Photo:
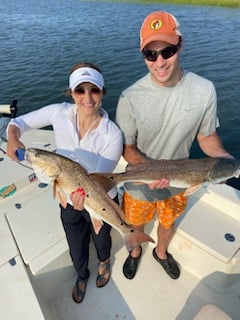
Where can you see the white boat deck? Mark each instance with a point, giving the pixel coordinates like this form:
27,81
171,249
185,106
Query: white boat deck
37,276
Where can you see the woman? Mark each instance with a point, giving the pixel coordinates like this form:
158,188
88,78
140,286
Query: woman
84,133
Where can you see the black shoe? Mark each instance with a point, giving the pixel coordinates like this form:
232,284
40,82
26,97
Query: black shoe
130,265
169,265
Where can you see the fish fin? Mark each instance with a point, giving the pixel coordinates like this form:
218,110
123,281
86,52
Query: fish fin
95,219
97,224
192,189
54,189
62,199
135,238
104,180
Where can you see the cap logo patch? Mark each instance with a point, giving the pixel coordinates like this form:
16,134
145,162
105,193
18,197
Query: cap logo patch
156,24
85,73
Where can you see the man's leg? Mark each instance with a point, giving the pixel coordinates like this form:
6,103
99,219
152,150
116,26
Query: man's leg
162,256
131,264
164,237
168,211
137,214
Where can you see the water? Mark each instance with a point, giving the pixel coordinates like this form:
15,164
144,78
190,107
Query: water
41,40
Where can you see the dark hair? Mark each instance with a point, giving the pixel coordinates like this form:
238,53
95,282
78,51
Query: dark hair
84,65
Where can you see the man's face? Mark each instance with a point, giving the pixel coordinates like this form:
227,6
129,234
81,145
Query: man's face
165,71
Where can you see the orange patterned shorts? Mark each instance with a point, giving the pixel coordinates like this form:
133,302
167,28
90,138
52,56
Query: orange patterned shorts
139,212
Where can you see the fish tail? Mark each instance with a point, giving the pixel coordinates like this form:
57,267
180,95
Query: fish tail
135,238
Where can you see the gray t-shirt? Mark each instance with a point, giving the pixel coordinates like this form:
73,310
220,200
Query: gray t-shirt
164,121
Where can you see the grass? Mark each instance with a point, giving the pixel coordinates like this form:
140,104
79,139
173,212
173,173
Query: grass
219,3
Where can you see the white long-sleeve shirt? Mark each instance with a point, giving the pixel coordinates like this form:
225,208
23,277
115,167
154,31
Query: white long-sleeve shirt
98,151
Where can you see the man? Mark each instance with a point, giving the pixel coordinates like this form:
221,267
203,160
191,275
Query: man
160,116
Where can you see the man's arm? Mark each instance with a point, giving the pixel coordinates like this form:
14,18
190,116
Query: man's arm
212,146
132,155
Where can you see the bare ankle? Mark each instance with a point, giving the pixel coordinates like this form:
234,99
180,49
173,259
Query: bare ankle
161,254
136,252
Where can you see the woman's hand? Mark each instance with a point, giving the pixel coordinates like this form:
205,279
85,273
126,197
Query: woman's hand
12,147
77,197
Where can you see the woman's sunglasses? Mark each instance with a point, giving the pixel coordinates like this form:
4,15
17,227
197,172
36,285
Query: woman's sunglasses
166,53
92,90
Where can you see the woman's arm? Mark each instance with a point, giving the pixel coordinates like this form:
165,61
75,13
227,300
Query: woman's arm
14,142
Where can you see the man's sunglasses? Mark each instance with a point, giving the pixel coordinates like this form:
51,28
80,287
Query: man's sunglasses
166,53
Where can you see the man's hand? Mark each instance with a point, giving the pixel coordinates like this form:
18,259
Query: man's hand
159,184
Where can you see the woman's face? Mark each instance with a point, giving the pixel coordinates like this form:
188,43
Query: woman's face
87,97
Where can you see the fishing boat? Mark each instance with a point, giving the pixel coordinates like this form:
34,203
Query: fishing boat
37,275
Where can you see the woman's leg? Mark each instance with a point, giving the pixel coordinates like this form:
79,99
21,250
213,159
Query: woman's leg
77,229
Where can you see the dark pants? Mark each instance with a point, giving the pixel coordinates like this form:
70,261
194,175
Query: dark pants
78,229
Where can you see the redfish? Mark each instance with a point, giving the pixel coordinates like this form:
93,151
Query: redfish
67,176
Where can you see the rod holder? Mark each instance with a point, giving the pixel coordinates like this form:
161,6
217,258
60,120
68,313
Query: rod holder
6,109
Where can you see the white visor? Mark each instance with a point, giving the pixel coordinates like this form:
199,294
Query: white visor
86,75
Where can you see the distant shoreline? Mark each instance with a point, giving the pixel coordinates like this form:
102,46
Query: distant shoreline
215,3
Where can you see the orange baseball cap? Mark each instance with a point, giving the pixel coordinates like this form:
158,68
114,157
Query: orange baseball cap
161,26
